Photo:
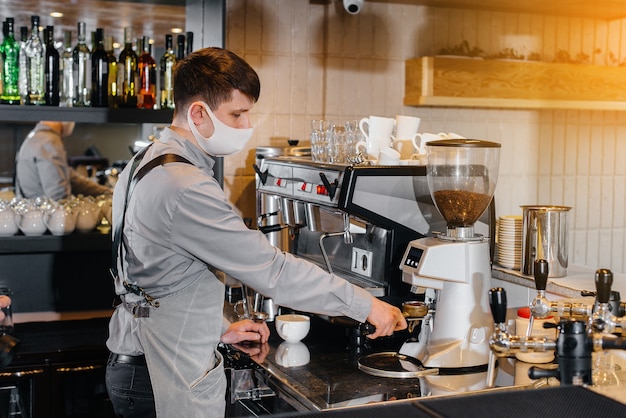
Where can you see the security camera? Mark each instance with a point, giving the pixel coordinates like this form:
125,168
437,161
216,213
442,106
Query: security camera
353,6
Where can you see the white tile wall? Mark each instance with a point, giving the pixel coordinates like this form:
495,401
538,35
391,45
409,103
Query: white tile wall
314,60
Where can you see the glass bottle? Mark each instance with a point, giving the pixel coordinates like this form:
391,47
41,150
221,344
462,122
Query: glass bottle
189,43
99,72
23,66
113,92
51,70
67,71
180,47
4,36
127,72
147,77
35,56
82,69
10,65
165,72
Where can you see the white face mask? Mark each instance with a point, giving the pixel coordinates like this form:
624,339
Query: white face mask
225,139
67,128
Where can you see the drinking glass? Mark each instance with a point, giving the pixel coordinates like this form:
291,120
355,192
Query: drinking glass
321,131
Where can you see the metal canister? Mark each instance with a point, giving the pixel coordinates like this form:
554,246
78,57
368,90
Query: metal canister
545,236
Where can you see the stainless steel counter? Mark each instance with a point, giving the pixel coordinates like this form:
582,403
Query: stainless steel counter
331,379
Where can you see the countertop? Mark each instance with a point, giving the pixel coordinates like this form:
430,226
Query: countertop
578,278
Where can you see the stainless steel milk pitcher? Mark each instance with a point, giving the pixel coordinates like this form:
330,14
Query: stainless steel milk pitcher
545,236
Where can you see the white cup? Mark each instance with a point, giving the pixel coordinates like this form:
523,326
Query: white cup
373,145
388,156
377,127
292,327
420,140
406,127
405,147
292,354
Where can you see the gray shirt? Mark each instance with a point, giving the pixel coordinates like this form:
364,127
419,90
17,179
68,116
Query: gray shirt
179,228
42,169
179,223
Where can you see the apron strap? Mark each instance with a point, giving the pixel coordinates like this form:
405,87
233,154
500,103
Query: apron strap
119,227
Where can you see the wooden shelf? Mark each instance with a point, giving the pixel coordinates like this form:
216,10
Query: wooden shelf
10,113
603,9
464,82
75,242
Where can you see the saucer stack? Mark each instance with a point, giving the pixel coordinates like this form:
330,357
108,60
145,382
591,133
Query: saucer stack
509,240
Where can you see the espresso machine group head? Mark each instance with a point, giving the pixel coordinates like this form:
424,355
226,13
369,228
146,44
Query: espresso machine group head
455,265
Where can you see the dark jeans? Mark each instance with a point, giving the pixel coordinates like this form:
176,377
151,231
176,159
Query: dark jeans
129,389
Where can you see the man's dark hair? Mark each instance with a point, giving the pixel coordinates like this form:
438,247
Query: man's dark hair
211,75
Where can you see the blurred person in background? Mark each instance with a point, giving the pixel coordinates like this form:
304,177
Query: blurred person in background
41,167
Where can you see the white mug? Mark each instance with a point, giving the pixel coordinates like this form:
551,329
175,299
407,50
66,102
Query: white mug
405,147
406,127
420,140
377,127
388,156
292,327
373,145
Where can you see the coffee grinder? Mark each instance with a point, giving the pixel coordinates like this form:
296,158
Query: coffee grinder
453,269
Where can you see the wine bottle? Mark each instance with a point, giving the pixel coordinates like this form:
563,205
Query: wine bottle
4,36
35,57
51,70
166,73
180,47
127,71
146,99
81,57
189,43
67,71
99,72
112,88
10,65
23,66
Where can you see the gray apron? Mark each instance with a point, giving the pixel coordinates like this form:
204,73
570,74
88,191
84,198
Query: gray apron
180,340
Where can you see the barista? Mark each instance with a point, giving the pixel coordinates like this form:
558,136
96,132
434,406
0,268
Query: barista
41,167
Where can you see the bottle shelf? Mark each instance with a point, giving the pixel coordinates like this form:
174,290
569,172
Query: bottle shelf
462,82
13,113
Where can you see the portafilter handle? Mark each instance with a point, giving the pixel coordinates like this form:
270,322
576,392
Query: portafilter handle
541,274
497,303
604,281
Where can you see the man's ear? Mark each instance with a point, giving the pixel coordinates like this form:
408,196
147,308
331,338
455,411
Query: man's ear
197,113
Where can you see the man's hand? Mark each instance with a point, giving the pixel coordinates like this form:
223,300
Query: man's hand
386,318
246,330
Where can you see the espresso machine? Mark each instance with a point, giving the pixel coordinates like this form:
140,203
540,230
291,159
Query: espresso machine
353,220
453,269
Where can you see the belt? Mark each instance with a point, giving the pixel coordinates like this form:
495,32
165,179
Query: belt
122,358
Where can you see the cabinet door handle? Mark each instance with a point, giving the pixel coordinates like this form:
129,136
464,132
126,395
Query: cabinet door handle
78,369
21,373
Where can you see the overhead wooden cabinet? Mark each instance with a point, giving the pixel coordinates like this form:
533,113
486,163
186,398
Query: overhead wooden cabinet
467,82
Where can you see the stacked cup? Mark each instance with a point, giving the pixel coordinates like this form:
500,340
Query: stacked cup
404,139
377,131
509,240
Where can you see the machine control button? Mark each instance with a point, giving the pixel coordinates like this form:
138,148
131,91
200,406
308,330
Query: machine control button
304,187
321,190
280,182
